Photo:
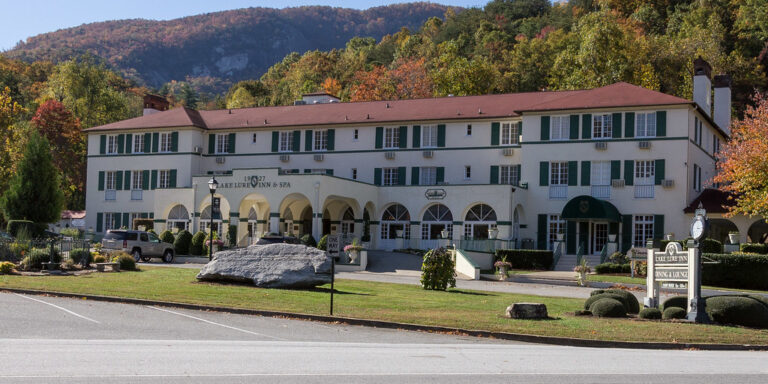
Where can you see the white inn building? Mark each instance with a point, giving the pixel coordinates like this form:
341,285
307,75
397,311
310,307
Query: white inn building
618,160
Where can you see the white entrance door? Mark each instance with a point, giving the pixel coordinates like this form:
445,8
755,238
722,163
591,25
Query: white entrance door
599,237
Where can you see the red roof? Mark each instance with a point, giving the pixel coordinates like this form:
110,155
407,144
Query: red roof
379,112
73,214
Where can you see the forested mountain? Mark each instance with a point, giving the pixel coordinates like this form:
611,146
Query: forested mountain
215,48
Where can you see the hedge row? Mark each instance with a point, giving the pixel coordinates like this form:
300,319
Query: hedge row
735,271
527,258
705,246
754,248
605,268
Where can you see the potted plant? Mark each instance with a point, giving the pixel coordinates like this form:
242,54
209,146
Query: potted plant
444,233
493,233
560,236
353,250
612,238
582,269
217,243
733,237
503,265
399,233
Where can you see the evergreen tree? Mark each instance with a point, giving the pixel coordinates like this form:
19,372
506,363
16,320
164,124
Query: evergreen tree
35,191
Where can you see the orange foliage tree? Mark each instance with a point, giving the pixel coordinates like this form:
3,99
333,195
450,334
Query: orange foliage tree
408,79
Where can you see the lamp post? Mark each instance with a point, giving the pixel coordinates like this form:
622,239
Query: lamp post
212,185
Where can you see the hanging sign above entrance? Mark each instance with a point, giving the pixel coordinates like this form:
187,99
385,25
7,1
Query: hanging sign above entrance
435,194
254,181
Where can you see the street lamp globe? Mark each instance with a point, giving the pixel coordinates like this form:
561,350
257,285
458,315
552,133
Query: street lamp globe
213,184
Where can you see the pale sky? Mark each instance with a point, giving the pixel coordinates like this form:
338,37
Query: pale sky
20,19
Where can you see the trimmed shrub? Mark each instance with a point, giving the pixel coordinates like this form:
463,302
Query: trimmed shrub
438,270
676,302
650,314
736,271
197,244
149,224
78,255
630,301
526,258
710,246
761,249
608,307
232,236
6,267
592,299
737,310
605,268
183,243
618,258
99,259
126,261
308,240
673,313
323,243
167,237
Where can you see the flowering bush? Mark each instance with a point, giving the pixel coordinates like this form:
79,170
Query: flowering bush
354,247
502,264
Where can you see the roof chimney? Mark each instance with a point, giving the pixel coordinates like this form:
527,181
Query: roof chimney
702,85
722,112
154,104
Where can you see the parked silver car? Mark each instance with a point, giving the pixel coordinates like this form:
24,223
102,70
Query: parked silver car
140,244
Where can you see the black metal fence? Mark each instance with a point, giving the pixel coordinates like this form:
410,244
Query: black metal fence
58,250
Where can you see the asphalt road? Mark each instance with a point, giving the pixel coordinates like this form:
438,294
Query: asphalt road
57,340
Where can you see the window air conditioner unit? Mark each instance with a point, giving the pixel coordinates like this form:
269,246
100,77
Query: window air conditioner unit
319,157
198,149
428,154
618,183
667,183
644,144
285,158
508,151
390,155
221,160
601,145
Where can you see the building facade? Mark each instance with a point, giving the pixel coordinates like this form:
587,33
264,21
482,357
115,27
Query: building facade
613,163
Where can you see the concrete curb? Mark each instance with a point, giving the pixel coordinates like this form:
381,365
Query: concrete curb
563,341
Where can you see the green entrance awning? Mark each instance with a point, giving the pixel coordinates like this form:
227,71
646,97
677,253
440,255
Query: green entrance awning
587,208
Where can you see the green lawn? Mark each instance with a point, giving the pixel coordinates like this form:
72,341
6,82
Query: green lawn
388,302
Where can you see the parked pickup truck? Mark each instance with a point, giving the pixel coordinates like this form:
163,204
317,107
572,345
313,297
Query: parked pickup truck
140,244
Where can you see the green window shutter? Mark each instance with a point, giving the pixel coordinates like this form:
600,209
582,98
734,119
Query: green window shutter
211,143
127,185
659,169
118,221
400,175
414,175
144,215
174,141
403,137
440,174
119,180
232,142
379,137
275,141
145,180
586,172
520,130
331,139
615,169
545,128
101,180
541,233
120,143
128,143
155,141
616,126
544,173
629,124
570,237
661,123
586,126
308,140
328,172
494,174
573,169
441,135
307,170
519,173
126,220
173,178
417,136
658,227
377,176
147,142
99,222
154,179
297,141
495,127
629,172
103,144
574,126
626,233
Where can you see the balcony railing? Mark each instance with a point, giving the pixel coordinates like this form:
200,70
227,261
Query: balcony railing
558,191
644,191
601,191
136,194
110,194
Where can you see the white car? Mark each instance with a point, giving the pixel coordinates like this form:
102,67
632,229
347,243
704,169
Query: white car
140,244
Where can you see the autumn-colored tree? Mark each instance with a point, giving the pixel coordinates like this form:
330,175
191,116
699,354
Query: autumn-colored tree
331,86
372,85
743,161
411,79
12,136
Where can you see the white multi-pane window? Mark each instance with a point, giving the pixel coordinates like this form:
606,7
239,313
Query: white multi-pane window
467,172
429,136
391,137
165,142
357,134
600,178
555,225
602,126
645,172
643,229
428,176
286,141
645,124
558,173
510,134
469,129
138,143
320,139
111,180
509,174
133,216
222,143
559,128
390,176
110,220
112,144
137,180
165,178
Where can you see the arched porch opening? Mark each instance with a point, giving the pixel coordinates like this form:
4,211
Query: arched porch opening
436,225
177,219
719,228
479,222
758,232
293,206
395,227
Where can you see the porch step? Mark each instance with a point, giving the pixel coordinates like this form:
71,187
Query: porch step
567,262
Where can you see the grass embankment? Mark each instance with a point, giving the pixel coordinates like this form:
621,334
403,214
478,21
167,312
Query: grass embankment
388,302
618,279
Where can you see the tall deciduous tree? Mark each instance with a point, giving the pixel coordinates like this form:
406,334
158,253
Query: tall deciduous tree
12,136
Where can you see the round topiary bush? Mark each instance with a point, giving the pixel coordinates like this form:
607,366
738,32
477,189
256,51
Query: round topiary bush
197,244
673,313
650,314
78,255
608,307
676,302
183,243
167,237
592,299
126,261
633,306
308,240
323,243
737,310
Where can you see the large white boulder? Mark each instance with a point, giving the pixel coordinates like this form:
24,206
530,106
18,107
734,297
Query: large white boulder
270,266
